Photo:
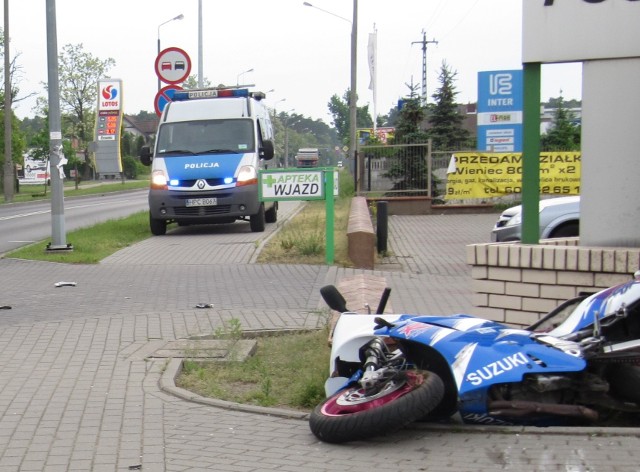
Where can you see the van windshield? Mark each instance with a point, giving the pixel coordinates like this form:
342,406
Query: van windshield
204,137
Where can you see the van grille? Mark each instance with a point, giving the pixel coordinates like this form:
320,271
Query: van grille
192,182
202,211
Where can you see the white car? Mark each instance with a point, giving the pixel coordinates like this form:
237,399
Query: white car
559,218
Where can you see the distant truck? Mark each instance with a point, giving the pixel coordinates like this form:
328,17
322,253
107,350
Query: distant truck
307,157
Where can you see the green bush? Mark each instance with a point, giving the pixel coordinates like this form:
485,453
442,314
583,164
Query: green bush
132,167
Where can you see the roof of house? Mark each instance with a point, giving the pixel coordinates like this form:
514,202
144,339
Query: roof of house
146,126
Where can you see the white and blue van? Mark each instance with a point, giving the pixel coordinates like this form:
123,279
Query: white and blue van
209,147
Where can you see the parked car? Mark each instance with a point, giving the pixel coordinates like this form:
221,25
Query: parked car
559,218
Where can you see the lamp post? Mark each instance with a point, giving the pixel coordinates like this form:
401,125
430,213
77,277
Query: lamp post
242,74
8,183
200,60
179,17
286,138
274,106
352,92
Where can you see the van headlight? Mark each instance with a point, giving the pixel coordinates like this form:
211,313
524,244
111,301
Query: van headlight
247,176
159,180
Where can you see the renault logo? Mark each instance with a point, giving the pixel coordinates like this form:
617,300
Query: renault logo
201,184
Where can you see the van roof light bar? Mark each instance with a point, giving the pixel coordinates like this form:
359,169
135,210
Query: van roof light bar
197,94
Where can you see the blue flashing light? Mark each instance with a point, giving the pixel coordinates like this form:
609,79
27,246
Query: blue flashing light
228,180
182,95
174,182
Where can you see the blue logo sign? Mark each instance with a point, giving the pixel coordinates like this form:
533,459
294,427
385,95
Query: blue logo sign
500,105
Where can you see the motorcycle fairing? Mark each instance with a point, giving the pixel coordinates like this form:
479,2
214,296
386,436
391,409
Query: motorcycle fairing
605,302
487,353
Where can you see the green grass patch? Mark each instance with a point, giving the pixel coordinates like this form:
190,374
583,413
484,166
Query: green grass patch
92,244
302,240
287,370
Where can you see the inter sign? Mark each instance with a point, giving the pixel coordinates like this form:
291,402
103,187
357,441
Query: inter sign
500,105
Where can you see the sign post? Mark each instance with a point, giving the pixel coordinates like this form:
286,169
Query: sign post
108,125
164,96
172,66
290,184
500,103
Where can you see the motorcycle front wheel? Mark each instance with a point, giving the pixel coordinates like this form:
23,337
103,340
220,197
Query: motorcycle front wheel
352,414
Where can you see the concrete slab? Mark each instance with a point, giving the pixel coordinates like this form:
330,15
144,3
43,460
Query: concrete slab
219,350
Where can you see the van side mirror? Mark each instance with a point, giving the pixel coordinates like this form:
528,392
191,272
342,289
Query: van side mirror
267,150
145,155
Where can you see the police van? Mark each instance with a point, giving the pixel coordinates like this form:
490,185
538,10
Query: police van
209,147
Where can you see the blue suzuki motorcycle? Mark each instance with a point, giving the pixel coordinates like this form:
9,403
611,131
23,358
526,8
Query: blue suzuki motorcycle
580,365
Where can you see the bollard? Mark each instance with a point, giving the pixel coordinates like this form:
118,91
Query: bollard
382,226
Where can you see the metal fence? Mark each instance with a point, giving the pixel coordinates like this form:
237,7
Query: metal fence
404,170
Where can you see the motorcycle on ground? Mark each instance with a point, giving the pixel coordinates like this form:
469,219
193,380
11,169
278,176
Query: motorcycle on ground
578,365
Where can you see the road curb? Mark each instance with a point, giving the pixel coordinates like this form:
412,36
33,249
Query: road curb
167,384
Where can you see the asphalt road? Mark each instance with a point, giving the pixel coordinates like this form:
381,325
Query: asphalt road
25,223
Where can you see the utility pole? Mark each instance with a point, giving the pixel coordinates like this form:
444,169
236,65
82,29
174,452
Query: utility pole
8,182
424,43
58,233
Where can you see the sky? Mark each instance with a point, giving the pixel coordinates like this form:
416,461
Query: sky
300,55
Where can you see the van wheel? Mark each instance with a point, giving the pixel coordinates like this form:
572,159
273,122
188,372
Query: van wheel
158,227
258,220
271,215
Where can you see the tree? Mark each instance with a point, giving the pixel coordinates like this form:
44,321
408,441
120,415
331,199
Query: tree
339,109
16,136
79,73
409,168
192,83
446,129
564,134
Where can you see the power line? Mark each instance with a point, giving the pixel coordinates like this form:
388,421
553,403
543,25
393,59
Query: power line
424,43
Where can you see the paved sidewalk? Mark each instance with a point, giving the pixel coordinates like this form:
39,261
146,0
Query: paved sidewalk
80,392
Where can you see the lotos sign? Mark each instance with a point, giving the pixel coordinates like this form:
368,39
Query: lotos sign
579,30
110,95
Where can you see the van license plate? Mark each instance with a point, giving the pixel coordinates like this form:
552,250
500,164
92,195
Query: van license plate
201,202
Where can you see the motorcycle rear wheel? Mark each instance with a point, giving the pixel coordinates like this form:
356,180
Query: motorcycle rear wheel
352,415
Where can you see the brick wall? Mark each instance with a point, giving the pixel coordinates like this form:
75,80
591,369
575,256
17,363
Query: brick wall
517,284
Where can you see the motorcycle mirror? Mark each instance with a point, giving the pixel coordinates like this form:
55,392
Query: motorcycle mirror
382,323
332,297
383,301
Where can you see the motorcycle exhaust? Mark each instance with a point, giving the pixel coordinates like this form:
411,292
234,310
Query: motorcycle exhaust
525,408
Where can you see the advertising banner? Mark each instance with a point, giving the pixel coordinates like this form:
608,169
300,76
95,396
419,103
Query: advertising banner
483,175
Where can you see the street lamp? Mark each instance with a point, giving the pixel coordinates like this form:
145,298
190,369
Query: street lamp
274,106
307,4
286,137
179,17
241,74
353,92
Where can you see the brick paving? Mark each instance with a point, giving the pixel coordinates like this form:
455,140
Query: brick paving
80,392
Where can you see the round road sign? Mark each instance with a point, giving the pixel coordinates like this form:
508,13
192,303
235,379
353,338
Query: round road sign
164,96
173,65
